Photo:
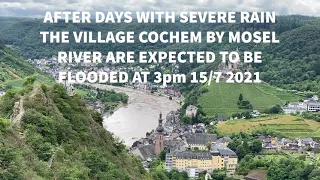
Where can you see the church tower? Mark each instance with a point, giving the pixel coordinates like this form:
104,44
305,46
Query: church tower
159,146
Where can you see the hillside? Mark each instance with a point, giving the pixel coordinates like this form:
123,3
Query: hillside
12,66
54,136
222,98
46,134
8,21
280,125
294,62
14,70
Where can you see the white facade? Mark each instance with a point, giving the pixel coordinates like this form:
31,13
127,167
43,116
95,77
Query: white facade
298,105
191,111
302,107
295,107
314,107
168,162
192,172
198,146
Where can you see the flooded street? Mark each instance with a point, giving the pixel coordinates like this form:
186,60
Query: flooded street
132,121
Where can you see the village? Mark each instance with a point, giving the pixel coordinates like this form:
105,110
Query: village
191,148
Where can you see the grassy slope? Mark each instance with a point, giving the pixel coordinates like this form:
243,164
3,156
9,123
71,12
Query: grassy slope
222,98
286,125
85,149
14,70
58,126
12,66
18,83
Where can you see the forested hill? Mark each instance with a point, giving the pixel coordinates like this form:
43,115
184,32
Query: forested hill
47,134
292,64
51,135
12,66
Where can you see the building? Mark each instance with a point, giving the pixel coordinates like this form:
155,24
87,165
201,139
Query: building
308,105
290,147
172,91
225,140
193,163
200,141
295,107
313,106
175,145
191,111
144,152
159,145
285,141
224,157
314,98
304,142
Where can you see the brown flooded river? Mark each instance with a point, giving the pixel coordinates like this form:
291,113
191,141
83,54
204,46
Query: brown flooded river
132,121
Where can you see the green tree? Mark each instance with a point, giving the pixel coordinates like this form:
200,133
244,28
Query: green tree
186,119
4,124
256,146
275,110
162,155
240,98
219,174
30,80
315,174
241,151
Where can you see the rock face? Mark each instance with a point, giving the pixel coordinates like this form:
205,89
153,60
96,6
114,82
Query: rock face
38,95
18,111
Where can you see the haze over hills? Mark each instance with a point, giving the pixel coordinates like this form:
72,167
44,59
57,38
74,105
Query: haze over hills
291,64
53,135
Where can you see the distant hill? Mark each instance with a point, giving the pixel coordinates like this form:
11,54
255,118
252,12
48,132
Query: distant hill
222,98
8,21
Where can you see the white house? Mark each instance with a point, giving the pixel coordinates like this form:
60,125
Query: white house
313,106
191,111
295,107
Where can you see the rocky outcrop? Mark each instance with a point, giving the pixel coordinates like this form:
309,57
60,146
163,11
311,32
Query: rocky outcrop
18,111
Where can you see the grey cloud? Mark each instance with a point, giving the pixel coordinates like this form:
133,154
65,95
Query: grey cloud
37,8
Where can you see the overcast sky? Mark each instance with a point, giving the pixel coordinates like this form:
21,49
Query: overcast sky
37,8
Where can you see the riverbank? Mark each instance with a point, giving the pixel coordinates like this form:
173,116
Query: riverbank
131,89
139,116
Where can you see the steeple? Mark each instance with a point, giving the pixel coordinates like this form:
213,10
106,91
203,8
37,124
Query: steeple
159,145
160,127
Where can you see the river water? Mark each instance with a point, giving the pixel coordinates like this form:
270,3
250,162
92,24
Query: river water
132,121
